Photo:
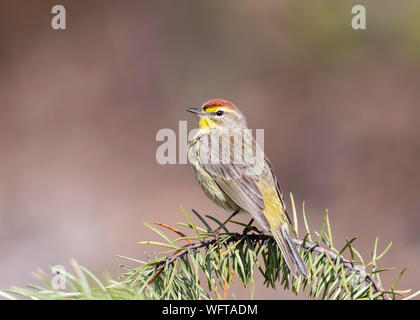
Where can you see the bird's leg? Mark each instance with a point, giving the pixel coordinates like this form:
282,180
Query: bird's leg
247,228
217,230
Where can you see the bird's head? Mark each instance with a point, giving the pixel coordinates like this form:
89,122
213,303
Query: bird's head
219,114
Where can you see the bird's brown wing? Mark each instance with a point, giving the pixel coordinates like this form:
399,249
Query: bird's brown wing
240,180
279,192
237,177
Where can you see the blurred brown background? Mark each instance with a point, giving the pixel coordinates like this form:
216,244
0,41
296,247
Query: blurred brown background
80,109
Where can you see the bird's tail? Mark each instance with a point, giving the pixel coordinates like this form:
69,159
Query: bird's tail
289,251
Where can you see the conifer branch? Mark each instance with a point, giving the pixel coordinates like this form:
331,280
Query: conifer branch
183,271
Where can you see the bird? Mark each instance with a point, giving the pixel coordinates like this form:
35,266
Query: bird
233,177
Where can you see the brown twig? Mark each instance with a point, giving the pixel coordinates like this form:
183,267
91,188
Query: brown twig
224,290
317,249
159,268
172,229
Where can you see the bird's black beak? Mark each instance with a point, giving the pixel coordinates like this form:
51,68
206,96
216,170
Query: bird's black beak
194,110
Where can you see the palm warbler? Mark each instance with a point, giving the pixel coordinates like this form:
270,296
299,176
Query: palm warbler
236,181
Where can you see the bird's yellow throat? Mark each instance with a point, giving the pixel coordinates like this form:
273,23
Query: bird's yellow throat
206,123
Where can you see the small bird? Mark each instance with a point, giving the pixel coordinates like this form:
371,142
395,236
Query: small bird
237,182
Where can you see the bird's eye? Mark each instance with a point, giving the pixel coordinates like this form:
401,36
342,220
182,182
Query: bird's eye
219,113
